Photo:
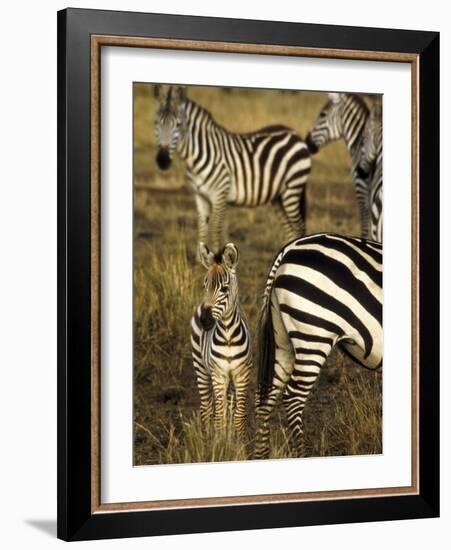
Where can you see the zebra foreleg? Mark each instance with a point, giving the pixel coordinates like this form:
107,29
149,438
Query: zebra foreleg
203,212
206,395
361,191
220,385
240,384
217,222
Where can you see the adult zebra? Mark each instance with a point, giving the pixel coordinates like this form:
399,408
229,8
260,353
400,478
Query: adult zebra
323,290
345,116
270,165
370,168
220,342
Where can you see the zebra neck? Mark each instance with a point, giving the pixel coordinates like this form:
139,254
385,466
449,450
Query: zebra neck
354,141
200,125
353,126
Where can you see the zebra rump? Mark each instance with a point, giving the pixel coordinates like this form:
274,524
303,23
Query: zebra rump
267,344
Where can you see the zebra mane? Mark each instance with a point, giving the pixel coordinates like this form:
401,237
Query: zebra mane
359,99
191,105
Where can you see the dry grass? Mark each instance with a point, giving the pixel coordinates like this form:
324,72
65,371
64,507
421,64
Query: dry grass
343,415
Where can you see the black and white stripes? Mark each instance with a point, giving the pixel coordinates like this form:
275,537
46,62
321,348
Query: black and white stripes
322,290
370,168
345,116
220,342
270,165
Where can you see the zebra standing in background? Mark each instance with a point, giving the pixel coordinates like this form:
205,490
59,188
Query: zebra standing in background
270,165
322,290
221,344
370,168
345,116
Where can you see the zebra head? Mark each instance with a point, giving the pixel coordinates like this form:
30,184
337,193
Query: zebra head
328,125
170,123
221,287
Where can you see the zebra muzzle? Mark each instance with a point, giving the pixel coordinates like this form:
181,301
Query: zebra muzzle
163,159
206,318
312,147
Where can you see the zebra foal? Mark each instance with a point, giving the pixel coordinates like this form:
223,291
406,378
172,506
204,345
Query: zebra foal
220,342
224,168
322,291
345,116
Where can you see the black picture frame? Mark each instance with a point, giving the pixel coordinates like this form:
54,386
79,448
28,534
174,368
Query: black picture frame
76,521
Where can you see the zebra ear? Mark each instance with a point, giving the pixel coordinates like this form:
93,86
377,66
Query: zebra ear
334,97
206,257
179,94
230,256
157,91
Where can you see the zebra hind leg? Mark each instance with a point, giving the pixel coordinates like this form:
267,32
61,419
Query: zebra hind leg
266,403
292,202
290,231
309,358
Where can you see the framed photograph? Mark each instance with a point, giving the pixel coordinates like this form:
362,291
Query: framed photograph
248,274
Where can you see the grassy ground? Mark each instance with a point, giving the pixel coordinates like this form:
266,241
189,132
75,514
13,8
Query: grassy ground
344,413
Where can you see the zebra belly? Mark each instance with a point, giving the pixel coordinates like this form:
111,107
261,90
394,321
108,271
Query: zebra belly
226,359
247,194
373,360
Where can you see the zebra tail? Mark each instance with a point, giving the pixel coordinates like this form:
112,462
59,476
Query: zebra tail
267,349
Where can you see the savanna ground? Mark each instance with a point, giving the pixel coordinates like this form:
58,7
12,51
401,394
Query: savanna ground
344,412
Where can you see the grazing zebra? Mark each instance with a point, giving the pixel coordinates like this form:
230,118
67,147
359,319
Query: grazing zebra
270,165
322,290
375,202
220,340
370,168
345,116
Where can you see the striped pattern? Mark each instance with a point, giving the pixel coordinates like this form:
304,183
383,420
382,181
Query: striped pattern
345,116
322,290
370,168
376,202
270,165
220,342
